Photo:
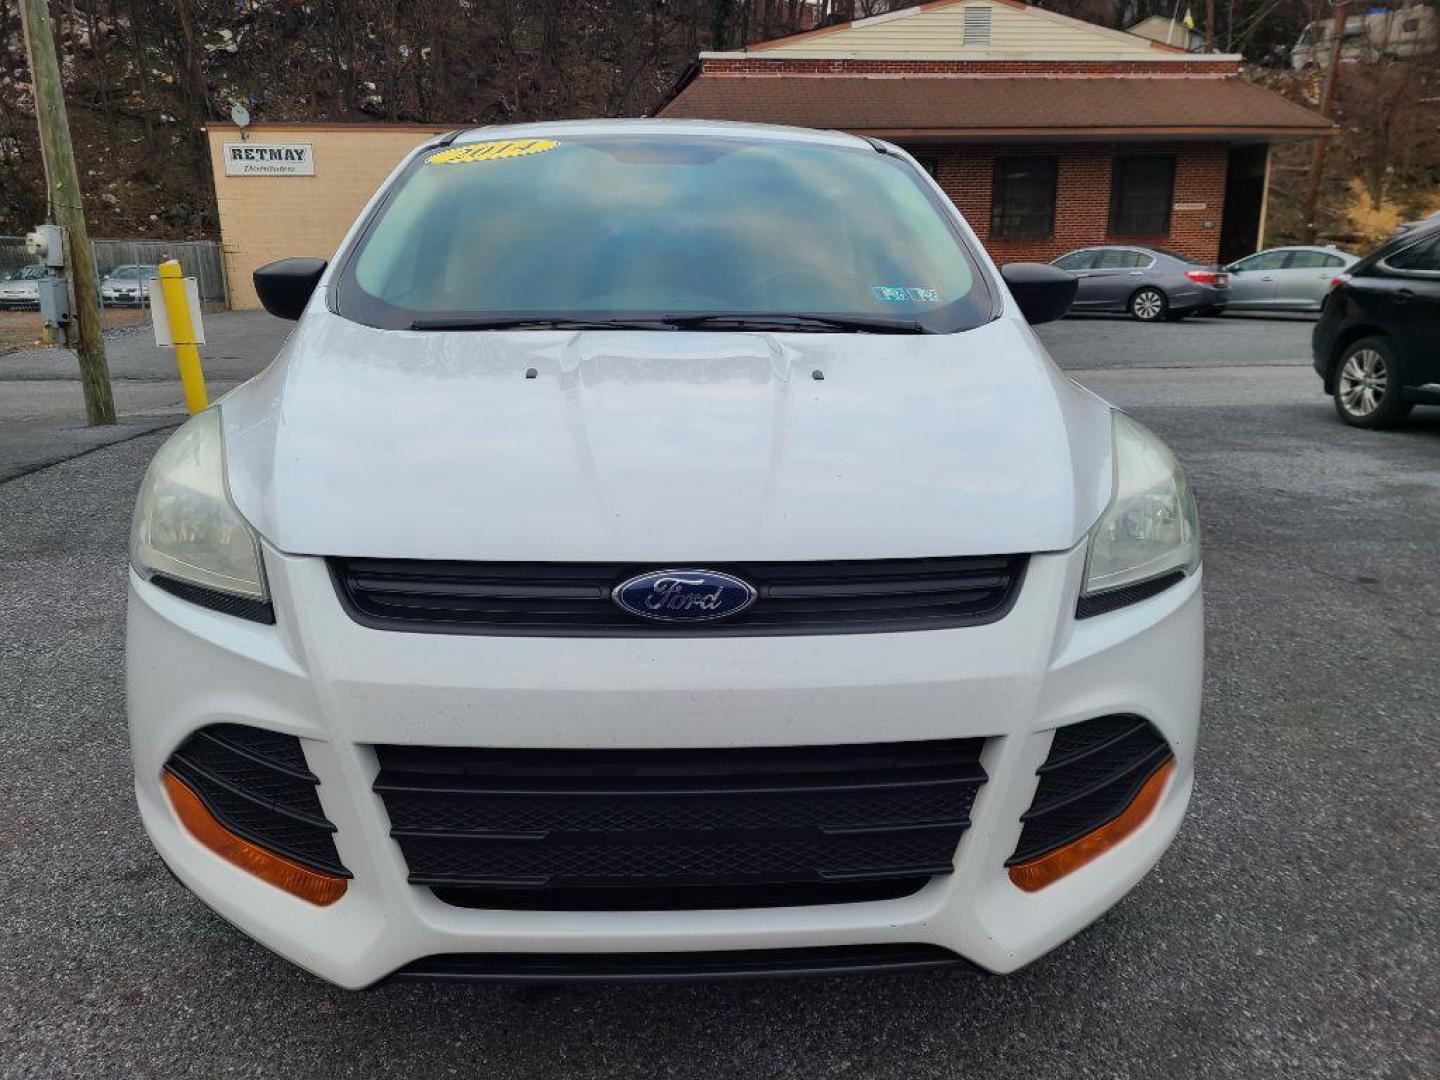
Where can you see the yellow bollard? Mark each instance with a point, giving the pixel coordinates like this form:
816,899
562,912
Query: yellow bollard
182,332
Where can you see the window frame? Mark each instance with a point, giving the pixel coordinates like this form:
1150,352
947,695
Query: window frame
1118,192
998,193
1238,266
1405,271
1091,251
1326,261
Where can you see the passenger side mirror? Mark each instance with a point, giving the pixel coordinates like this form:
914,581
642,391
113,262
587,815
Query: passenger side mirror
1044,292
285,286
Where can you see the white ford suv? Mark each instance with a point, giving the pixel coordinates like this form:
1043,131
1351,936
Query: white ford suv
662,550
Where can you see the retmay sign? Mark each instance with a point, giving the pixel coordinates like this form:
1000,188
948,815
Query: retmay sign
269,159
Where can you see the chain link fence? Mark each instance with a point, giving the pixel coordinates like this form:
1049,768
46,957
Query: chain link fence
13,257
199,259
130,261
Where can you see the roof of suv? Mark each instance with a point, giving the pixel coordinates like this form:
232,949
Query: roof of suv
1424,231
721,128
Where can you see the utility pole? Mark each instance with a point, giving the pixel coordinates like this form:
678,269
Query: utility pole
62,194
1209,26
1327,98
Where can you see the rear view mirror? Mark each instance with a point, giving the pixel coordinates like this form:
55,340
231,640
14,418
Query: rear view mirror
285,286
1044,292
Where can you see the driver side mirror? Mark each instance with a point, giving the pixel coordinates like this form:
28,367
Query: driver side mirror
1044,292
285,286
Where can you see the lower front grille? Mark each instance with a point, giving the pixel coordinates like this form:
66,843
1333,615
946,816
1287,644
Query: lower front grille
654,829
1093,772
256,784
636,967
677,897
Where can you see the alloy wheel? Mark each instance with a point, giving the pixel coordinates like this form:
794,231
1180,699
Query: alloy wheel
1147,305
1362,382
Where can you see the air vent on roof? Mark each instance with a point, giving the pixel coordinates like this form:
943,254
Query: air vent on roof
977,25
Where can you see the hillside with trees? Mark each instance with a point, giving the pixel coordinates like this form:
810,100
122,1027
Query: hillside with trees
143,76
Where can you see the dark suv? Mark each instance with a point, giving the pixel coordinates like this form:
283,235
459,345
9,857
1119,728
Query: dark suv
1377,344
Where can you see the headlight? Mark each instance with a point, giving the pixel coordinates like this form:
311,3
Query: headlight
1151,528
185,528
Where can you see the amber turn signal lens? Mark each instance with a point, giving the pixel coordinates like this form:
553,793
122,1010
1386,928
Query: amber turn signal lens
1037,873
301,881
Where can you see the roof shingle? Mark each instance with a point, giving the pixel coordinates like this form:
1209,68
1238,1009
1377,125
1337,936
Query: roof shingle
992,106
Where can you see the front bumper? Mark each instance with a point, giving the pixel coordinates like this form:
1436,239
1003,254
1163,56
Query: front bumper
342,688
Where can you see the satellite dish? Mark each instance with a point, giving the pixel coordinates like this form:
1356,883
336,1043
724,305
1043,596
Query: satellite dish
239,114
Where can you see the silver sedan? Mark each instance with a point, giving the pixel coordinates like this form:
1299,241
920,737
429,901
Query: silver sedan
1286,278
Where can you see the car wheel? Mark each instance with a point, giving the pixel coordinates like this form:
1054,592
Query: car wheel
1367,385
1148,305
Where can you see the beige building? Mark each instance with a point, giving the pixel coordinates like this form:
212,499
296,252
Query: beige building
294,189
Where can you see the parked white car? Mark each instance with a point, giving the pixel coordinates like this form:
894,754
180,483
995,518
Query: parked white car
1286,278
128,285
21,290
662,549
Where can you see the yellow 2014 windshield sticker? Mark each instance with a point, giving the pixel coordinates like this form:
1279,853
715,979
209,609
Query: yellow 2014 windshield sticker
491,151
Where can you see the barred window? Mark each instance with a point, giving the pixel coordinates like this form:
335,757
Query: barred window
1024,196
1142,187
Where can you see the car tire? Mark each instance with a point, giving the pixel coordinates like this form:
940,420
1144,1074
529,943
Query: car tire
1368,385
1148,305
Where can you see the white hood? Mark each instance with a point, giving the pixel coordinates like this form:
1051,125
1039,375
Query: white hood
663,446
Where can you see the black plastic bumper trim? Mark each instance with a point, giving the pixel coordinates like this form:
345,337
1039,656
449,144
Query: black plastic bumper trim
1113,599
242,607
679,897
1060,839
677,966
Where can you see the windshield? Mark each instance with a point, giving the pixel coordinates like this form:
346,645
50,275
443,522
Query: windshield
133,272
606,229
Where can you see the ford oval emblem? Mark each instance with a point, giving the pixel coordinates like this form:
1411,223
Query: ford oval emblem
684,595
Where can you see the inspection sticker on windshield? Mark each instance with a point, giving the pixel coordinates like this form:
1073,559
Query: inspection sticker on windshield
900,294
498,150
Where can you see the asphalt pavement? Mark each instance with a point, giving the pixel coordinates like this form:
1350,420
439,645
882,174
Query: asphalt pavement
1293,930
42,409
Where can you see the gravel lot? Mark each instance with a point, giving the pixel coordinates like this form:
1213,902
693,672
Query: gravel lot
1293,930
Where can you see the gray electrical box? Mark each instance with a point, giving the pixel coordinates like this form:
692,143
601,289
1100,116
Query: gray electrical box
48,242
54,301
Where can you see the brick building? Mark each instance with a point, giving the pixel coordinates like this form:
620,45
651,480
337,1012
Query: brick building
1047,132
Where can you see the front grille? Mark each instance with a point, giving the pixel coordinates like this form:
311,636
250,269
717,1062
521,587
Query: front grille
573,599
1092,773
257,785
652,829
671,966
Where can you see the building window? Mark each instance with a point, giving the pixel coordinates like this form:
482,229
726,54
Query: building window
1142,187
1024,196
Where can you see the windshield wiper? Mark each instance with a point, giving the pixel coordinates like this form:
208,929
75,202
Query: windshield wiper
860,324
803,322
534,322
